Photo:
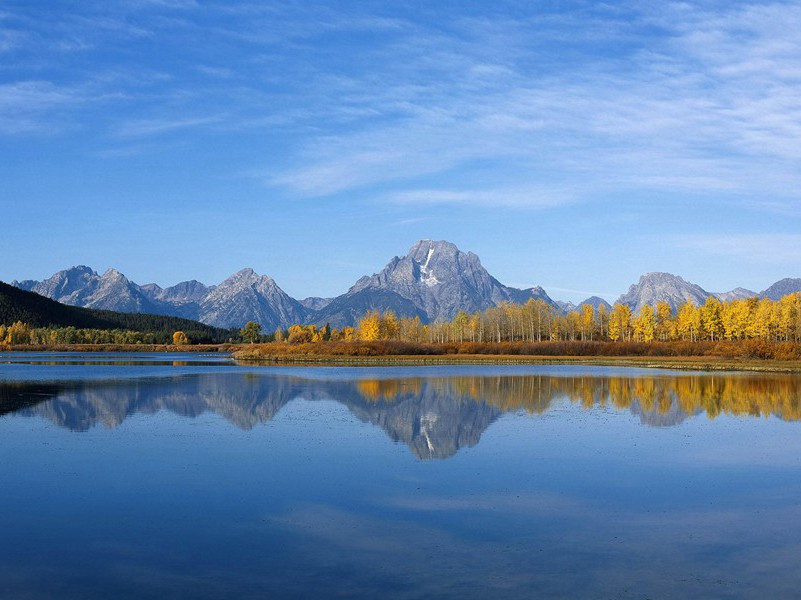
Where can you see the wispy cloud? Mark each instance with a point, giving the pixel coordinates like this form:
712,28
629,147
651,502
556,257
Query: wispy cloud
538,109
23,104
410,221
516,198
147,127
711,106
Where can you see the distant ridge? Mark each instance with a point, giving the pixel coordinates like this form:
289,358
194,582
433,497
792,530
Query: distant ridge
433,281
782,288
38,311
656,287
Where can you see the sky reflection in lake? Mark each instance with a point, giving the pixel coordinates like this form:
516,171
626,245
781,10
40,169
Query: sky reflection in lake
207,481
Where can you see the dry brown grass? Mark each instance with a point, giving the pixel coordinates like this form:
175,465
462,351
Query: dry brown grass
746,349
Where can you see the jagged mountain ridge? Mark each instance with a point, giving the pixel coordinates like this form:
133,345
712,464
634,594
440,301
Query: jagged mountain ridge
662,287
782,288
39,311
82,286
656,287
247,296
433,281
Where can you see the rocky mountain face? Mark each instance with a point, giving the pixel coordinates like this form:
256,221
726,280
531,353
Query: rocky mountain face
247,296
565,307
346,310
781,288
81,286
316,303
181,293
595,302
735,294
435,280
656,287
243,297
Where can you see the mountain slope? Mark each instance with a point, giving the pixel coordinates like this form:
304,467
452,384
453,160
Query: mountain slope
180,293
38,311
735,294
435,278
242,297
595,302
781,288
656,287
315,302
346,310
247,296
82,286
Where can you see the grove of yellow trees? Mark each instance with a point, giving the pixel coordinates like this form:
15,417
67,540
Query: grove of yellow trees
536,321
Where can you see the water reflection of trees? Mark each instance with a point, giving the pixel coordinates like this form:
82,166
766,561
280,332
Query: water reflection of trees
731,394
433,416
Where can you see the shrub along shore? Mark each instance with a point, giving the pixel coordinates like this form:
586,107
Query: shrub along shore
721,355
751,355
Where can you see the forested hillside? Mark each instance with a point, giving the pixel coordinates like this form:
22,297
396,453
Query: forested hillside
37,311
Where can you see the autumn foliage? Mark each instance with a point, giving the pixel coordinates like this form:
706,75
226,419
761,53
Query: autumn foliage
537,328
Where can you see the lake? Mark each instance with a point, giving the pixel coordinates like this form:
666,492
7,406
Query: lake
186,476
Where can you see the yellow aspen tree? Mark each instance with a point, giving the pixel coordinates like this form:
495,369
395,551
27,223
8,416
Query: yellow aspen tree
687,322
763,324
664,321
587,320
370,326
390,328
474,326
620,323
602,321
645,324
460,324
711,322
785,317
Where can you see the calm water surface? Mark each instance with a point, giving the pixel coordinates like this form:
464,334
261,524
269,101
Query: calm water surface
185,476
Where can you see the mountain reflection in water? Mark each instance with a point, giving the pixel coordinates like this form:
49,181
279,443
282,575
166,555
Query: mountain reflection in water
433,416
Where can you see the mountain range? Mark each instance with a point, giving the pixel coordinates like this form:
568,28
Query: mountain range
433,281
39,311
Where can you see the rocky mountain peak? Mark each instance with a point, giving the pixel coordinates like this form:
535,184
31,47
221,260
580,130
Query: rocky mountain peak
657,286
423,249
595,302
242,275
112,274
435,280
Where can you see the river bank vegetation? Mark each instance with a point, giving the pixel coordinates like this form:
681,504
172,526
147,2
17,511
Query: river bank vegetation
22,335
739,329
536,321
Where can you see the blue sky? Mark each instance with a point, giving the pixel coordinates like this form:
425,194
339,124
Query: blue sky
572,145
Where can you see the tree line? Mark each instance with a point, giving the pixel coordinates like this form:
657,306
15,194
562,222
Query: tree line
537,321
22,334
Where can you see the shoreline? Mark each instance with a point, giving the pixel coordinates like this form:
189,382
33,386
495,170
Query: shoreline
244,356
91,348
677,363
